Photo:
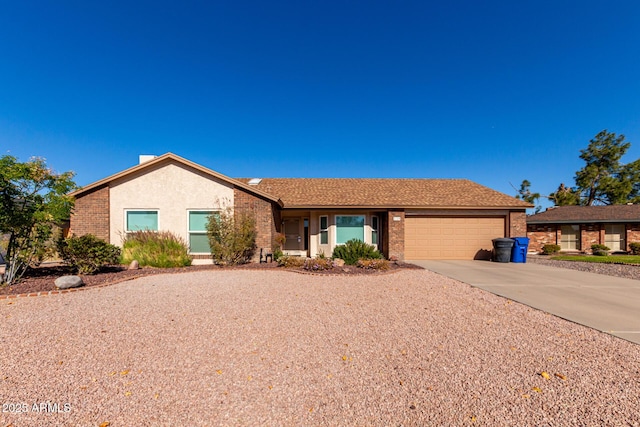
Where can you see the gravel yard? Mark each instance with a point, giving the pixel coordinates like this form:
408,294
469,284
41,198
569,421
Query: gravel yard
620,270
256,347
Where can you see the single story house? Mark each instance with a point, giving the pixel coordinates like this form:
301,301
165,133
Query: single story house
576,228
404,218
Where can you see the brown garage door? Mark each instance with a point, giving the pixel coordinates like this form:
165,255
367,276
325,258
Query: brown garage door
450,238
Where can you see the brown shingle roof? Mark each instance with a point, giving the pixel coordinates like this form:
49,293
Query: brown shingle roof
384,192
583,214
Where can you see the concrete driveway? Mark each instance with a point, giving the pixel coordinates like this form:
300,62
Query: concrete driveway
606,303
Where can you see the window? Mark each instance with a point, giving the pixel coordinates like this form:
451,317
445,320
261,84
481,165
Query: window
614,237
198,239
349,227
324,230
570,237
374,230
140,220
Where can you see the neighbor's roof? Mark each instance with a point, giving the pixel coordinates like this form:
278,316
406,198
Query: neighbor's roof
385,192
585,214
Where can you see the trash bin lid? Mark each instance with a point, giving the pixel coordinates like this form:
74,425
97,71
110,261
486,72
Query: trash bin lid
502,242
521,240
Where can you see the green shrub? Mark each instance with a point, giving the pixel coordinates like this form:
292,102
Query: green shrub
550,249
87,254
277,254
232,237
318,264
599,250
373,264
635,248
355,249
287,261
161,249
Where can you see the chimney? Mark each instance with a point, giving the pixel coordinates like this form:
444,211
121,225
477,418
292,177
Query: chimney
145,158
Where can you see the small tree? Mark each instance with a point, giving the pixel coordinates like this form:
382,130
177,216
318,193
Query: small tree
33,199
232,237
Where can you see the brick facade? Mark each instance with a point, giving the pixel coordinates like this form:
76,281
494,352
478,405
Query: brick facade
594,233
395,238
590,234
540,235
267,214
517,224
91,214
633,234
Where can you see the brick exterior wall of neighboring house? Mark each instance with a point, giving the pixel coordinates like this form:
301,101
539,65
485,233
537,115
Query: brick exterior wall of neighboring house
395,238
267,216
517,224
633,234
540,235
590,234
91,214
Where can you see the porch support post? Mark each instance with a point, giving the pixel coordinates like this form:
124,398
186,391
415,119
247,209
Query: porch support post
395,221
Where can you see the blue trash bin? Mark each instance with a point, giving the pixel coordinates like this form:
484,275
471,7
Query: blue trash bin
519,250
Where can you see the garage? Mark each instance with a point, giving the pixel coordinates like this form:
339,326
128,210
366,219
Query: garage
435,237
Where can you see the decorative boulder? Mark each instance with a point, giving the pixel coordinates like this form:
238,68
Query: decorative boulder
134,265
338,262
66,282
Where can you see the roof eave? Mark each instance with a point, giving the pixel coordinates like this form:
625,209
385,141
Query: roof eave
425,207
582,221
171,156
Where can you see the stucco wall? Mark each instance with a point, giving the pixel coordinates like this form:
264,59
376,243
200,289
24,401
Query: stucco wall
172,189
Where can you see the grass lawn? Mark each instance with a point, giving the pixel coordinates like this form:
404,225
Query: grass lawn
610,259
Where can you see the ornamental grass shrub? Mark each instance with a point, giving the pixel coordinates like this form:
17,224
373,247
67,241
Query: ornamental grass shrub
232,237
373,264
161,249
287,261
318,264
87,254
354,250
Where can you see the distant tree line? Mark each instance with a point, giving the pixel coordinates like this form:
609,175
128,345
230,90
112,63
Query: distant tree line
603,180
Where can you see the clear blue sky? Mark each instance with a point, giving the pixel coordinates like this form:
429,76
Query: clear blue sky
492,91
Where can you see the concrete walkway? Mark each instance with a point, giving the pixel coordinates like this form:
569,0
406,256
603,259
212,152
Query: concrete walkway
606,303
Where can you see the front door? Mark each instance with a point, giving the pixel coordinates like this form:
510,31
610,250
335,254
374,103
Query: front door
292,234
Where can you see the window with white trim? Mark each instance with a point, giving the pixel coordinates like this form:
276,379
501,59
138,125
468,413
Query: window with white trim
374,230
141,220
349,227
570,237
324,230
198,239
614,237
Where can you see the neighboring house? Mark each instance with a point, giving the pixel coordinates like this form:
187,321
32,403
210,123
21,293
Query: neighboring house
576,228
404,218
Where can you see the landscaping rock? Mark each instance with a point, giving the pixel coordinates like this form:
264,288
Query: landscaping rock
66,282
338,262
134,265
